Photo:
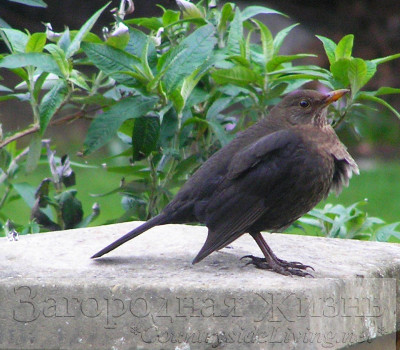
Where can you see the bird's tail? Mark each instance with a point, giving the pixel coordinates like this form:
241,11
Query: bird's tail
160,219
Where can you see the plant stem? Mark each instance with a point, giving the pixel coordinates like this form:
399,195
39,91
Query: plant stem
32,100
19,135
153,190
5,196
342,116
69,118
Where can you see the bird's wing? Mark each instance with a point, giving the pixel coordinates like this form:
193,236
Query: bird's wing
242,198
252,154
230,227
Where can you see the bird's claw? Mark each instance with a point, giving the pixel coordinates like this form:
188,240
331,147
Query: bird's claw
288,268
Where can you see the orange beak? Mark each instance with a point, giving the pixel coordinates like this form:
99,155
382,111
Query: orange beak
335,95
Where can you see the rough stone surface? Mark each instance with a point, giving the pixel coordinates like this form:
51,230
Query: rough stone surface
148,295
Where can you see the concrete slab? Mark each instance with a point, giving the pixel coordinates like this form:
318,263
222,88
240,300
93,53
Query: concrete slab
147,295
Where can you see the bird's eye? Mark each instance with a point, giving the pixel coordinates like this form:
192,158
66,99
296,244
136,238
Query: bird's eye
304,103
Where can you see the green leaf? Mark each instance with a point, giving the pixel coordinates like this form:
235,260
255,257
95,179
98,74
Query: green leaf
267,41
88,38
77,78
39,82
21,97
226,14
65,40
371,70
277,90
34,3
71,208
149,52
280,37
145,135
35,148
196,21
4,89
237,75
357,72
8,97
278,60
98,99
105,126
383,233
40,60
187,57
384,90
329,47
309,69
139,43
195,120
191,81
170,17
371,97
26,191
136,42
235,36
152,23
223,137
169,127
36,42
197,96
386,59
111,61
252,11
340,70
344,47
20,72
59,56
177,100
16,39
218,106
51,102
76,41
295,81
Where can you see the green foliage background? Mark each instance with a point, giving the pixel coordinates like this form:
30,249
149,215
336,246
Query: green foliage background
172,89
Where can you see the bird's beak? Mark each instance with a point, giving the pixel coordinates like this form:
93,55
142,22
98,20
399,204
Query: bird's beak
334,95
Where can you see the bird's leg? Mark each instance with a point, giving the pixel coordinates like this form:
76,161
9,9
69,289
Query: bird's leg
272,262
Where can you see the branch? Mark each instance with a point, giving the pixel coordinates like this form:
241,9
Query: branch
36,128
19,135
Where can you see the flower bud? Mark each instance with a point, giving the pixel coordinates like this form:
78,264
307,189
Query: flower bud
189,10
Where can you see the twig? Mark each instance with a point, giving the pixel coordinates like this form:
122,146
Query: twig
340,120
19,135
36,128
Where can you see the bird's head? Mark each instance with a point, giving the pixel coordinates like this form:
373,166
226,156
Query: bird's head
307,106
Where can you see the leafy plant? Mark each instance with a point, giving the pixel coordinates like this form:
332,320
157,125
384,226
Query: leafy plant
337,221
173,88
60,211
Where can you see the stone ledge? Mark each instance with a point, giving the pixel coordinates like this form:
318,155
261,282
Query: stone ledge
147,295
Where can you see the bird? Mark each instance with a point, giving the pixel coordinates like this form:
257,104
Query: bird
267,177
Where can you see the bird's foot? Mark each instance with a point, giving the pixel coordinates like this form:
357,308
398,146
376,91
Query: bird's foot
287,268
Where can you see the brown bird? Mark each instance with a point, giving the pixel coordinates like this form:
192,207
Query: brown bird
266,178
